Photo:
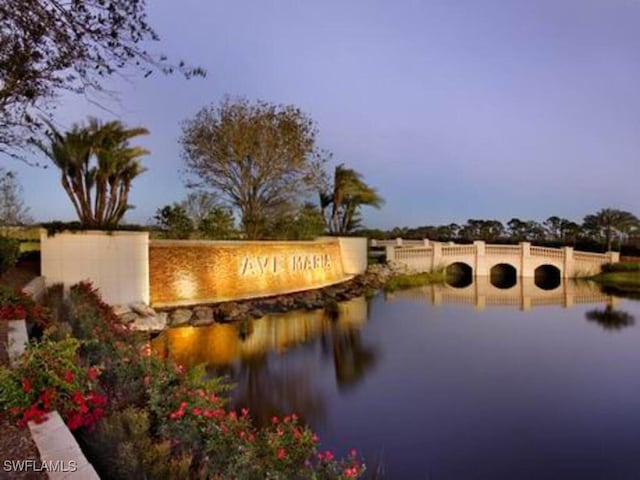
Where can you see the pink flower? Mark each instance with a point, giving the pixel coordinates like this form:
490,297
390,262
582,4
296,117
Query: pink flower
68,376
351,472
281,453
274,420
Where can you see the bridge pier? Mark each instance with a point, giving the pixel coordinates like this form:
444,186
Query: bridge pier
481,268
526,266
569,265
436,259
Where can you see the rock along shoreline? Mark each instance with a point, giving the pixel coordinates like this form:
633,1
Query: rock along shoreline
141,317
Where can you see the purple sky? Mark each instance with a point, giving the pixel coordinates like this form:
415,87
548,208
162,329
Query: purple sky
452,109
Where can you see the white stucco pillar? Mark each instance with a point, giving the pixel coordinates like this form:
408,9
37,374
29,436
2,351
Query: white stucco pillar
391,255
117,263
613,257
526,267
481,259
569,265
436,260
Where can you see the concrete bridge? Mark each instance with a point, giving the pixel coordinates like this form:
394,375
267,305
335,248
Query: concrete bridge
479,259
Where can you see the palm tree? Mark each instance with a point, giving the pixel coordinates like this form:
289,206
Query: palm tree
610,222
349,193
96,157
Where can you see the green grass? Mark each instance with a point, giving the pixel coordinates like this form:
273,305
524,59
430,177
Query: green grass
621,267
619,279
416,280
623,275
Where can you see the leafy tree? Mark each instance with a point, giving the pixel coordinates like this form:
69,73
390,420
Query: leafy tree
517,229
49,46
174,221
609,222
97,157
556,228
198,205
487,230
12,208
305,223
217,224
261,158
348,193
198,214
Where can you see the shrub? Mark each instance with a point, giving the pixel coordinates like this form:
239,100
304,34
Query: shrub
123,445
48,377
161,422
9,253
16,305
226,444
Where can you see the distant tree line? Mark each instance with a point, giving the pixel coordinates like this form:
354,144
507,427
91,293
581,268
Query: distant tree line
607,229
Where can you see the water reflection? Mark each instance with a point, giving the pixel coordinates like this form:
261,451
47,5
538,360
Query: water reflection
611,319
249,353
459,392
525,294
351,358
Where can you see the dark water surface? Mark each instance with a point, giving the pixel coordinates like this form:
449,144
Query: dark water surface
444,383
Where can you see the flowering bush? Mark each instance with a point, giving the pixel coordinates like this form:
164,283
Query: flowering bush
160,421
48,377
193,414
16,305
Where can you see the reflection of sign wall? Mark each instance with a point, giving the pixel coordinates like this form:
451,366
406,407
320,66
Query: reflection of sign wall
190,272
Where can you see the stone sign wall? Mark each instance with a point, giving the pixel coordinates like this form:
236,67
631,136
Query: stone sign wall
192,272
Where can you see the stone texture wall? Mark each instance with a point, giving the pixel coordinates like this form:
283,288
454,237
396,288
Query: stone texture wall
192,272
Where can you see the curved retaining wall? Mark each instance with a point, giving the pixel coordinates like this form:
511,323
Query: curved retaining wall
191,272
126,267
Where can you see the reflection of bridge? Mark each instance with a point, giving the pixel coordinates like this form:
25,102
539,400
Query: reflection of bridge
524,259
524,294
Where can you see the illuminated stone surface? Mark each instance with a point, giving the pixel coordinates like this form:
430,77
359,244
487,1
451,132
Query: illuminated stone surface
192,272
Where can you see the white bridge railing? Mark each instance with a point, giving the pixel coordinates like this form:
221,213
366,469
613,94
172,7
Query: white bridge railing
426,255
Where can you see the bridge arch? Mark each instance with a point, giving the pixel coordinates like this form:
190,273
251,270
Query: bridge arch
547,277
503,275
459,274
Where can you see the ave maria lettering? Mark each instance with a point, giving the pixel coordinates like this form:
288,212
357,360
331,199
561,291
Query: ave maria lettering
252,265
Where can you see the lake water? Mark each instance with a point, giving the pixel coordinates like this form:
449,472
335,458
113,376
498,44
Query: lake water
445,383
